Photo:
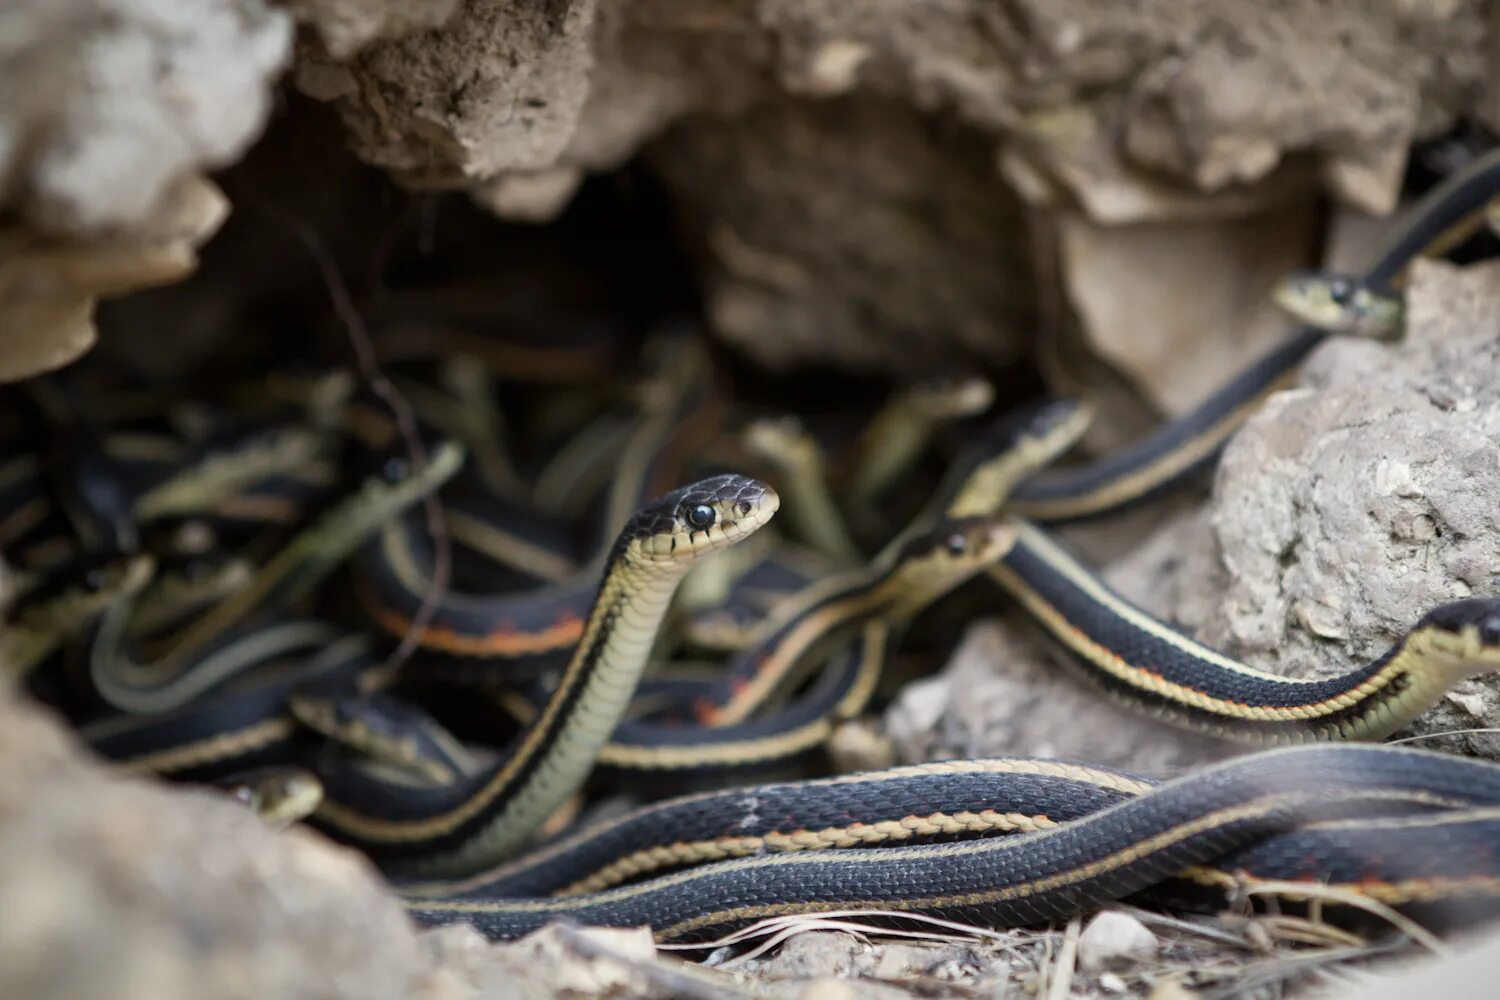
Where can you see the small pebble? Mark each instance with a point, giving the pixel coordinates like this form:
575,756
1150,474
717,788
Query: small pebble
1111,983
1113,939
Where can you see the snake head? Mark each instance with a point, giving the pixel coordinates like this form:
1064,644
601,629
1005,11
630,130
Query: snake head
1055,423
694,520
951,397
1339,303
1467,631
783,441
1011,449
933,563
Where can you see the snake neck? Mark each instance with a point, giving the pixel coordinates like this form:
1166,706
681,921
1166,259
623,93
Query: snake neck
1415,674
553,757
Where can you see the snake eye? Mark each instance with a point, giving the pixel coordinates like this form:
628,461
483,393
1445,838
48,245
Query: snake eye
1489,630
957,544
1341,291
394,470
95,579
701,516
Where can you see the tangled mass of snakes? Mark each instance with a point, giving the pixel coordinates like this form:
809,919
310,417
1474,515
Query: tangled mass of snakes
436,609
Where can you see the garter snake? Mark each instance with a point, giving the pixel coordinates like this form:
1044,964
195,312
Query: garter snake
1045,872
1049,873
246,724
735,732
788,445
1191,443
280,796
1151,667
220,642
545,622
895,437
1339,304
892,589
467,825
45,620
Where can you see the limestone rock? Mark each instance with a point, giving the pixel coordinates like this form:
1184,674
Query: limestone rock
1174,305
122,889
1349,507
50,285
1467,971
822,963
806,259
1165,112
498,87
173,893
1248,91
108,111
104,104
530,197
346,26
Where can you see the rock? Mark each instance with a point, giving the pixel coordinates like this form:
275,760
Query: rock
109,110
50,285
1341,513
1074,157
1349,507
176,893
499,86
539,196
822,963
105,104
1458,973
814,955
834,159
1229,109
1174,305
915,713
859,745
801,254
1114,939
346,26
1109,982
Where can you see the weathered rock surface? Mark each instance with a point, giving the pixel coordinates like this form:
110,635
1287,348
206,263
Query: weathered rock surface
122,889
49,286
104,104
899,266
109,110
345,26
1127,283
1172,111
837,161
1005,691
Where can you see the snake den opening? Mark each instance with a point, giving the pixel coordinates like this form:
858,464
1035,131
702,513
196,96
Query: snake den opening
831,536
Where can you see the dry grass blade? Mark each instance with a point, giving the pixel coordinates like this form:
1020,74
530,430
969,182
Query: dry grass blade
406,425
778,929
1344,897
1060,974
1246,978
1152,918
1298,930
1444,732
